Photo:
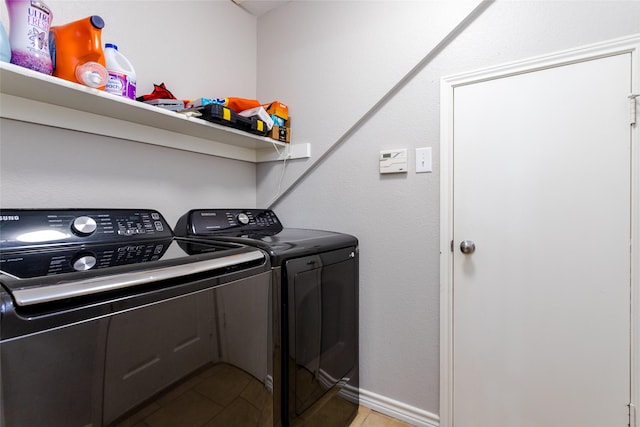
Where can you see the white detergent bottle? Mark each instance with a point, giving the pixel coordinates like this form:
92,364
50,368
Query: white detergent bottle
122,77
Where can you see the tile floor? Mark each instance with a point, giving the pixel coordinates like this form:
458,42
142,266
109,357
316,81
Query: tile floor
220,395
224,396
369,418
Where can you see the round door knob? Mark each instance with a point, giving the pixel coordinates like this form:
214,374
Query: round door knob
84,225
467,247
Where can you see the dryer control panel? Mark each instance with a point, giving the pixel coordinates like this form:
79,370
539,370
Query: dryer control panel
208,222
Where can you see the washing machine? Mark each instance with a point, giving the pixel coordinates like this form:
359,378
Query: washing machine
315,310
108,319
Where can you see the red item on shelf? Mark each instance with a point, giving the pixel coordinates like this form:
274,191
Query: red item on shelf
159,92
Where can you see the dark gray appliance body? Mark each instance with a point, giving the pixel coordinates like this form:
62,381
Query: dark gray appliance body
315,278
105,312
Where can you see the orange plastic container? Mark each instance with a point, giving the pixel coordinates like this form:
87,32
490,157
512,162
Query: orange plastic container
75,44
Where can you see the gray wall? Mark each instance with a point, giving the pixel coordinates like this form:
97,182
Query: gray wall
45,167
395,217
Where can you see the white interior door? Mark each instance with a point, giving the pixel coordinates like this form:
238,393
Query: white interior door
540,312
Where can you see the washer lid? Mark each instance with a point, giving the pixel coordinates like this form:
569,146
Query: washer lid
293,242
54,274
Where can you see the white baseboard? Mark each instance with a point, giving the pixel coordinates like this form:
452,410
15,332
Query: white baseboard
399,410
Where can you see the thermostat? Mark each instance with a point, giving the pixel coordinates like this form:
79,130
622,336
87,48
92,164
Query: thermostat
393,161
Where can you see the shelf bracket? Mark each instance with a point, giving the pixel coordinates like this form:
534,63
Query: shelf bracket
290,151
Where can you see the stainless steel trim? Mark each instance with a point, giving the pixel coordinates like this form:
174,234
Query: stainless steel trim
38,295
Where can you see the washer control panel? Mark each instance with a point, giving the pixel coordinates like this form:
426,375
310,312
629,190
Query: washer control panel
206,222
67,259
24,228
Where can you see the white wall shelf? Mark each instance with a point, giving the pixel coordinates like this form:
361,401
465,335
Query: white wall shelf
33,97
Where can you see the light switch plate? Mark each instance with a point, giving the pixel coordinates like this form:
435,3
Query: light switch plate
423,160
393,161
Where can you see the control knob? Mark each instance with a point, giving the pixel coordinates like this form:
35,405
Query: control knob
243,218
84,262
84,226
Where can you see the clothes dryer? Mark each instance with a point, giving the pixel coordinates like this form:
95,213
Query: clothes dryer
315,322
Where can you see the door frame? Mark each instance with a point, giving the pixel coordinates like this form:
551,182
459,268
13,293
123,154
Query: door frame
630,44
